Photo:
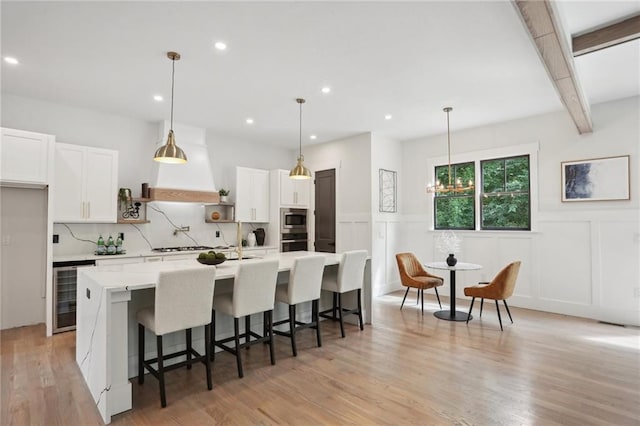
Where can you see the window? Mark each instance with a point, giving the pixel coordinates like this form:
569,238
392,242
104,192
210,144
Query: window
455,210
505,200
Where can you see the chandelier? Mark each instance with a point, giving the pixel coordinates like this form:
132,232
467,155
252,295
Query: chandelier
451,187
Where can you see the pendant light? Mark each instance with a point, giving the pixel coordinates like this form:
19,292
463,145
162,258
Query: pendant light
170,152
439,187
300,171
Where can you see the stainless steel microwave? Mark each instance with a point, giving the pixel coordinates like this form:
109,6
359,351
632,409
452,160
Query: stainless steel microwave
293,220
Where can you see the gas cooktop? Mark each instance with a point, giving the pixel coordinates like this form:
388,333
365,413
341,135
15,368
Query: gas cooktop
183,248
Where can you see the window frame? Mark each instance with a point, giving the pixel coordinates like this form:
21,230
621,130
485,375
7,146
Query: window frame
454,167
482,194
528,148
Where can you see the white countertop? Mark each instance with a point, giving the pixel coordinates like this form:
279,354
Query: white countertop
150,253
134,276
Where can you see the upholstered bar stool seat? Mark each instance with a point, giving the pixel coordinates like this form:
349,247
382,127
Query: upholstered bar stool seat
350,277
254,288
183,300
305,280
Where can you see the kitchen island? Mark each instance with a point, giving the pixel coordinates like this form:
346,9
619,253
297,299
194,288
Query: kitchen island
108,298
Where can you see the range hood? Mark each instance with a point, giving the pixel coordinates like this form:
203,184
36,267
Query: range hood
191,182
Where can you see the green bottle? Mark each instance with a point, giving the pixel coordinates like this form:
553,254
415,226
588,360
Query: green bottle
111,247
101,248
119,245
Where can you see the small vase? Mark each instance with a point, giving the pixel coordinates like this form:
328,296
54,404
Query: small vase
451,260
224,198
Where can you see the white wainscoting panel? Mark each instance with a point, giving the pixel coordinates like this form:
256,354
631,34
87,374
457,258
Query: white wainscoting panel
619,277
564,258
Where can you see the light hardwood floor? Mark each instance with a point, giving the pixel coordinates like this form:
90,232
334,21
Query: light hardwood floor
407,368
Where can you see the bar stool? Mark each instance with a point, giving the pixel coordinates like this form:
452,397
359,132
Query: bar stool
350,277
254,290
305,280
183,300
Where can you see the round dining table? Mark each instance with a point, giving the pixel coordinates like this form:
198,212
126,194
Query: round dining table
452,314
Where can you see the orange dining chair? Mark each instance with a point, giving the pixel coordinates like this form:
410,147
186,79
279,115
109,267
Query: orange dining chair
413,275
500,288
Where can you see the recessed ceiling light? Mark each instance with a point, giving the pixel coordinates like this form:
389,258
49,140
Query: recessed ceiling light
249,120
220,45
326,89
10,60
388,117
158,98
313,137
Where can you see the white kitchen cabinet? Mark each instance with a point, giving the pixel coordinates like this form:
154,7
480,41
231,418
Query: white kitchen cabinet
293,192
85,184
25,158
252,195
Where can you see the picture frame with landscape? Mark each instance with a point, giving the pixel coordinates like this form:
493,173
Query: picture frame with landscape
596,179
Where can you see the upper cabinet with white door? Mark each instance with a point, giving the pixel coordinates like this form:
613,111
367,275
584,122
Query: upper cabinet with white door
252,195
85,184
25,158
293,192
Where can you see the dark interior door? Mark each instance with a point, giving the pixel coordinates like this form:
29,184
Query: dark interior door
325,221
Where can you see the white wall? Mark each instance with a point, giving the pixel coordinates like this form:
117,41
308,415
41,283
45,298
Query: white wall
385,154
351,157
582,258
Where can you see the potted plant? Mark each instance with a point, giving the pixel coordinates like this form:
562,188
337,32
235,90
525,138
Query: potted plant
224,195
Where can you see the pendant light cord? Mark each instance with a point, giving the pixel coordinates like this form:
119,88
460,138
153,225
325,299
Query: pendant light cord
300,139
173,73
449,146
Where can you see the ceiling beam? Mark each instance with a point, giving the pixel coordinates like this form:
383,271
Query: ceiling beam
553,49
618,33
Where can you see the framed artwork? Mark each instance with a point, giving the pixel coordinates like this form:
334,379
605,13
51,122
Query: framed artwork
596,179
387,191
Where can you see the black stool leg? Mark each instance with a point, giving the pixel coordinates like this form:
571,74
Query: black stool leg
292,328
340,313
163,395
421,291
405,296
272,352
236,328
188,333
316,318
481,304
473,299
335,304
247,330
499,318
438,296
360,309
213,334
418,297
140,353
207,354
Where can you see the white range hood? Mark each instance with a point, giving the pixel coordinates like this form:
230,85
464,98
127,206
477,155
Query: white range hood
196,174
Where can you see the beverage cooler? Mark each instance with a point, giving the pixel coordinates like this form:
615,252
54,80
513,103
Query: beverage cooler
65,279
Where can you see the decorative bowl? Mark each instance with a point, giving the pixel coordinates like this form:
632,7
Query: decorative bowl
211,261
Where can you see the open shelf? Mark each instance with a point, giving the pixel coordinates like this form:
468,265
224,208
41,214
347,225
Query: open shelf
225,213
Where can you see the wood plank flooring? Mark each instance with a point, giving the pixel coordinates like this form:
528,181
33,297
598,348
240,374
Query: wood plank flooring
405,369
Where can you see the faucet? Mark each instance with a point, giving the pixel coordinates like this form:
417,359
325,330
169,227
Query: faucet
239,243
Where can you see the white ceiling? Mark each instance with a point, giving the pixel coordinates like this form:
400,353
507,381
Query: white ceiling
405,59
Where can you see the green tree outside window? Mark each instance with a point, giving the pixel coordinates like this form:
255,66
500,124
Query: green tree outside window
505,202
